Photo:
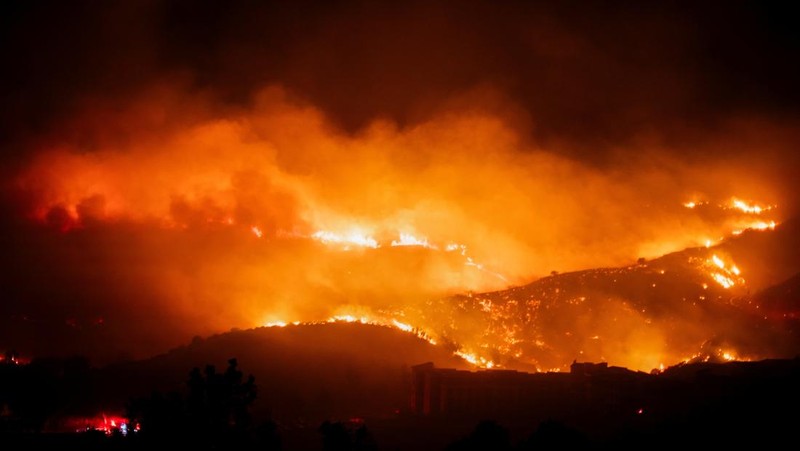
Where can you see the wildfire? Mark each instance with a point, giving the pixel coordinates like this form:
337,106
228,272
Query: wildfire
402,326
726,275
351,238
742,220
718,354
693,204
475,359
407,239
749,208
465,185
393,323
361,319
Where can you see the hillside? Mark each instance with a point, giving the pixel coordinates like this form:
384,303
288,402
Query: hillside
305,371
699,302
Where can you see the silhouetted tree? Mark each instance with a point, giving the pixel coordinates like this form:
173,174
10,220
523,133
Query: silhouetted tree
34,393
215,412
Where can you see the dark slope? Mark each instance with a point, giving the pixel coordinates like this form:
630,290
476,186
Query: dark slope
782,299
310,371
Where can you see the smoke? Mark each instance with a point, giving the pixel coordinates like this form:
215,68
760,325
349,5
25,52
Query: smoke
207,220
219,171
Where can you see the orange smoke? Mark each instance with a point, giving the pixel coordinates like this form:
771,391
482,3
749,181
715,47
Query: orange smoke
273,212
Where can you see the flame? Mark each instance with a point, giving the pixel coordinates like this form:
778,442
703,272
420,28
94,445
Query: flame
257,231
361,319
351,238
737,224
728,275
749,208
761,225
402,326
475,359
721,279
407,239
719,354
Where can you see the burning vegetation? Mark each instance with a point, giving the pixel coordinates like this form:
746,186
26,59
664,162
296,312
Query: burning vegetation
366,186
272,216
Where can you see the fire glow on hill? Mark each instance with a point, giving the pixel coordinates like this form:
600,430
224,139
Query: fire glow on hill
273,216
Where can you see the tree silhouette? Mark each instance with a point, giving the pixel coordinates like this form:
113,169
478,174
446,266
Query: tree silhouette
29,394
214,414
218,402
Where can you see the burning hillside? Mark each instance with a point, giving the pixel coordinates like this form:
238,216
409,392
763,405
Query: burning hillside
271,217
171,169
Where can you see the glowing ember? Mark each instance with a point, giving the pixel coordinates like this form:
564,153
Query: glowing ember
257,232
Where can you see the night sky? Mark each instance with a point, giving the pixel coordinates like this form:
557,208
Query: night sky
596,75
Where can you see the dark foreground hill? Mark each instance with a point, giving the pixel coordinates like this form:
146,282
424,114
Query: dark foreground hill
307,371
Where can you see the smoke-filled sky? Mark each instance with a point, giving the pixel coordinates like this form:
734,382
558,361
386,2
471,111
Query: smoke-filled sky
186,167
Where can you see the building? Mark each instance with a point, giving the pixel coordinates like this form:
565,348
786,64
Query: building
445,391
